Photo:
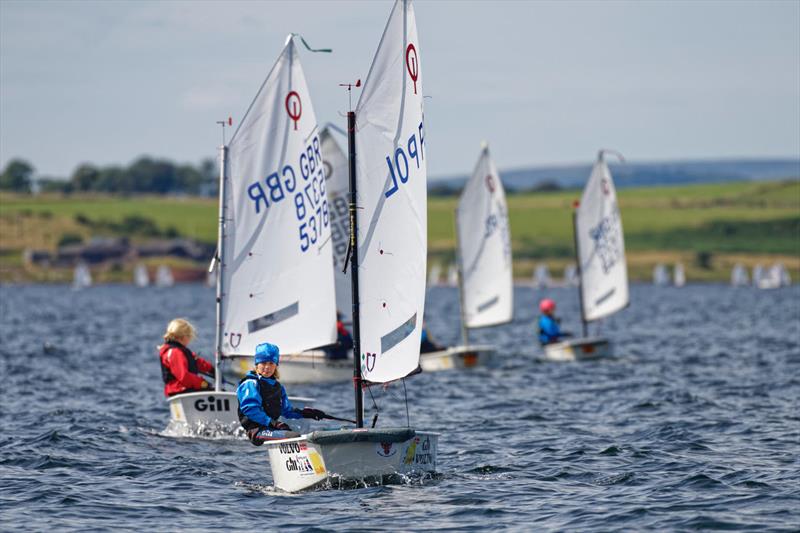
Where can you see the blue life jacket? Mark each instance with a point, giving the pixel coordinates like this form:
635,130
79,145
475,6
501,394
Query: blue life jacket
271,395
549,331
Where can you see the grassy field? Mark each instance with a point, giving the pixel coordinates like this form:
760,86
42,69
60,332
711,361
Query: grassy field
733,222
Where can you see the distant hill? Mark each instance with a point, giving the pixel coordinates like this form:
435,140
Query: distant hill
636,174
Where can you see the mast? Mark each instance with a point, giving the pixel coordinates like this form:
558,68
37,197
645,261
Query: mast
578,263
460,267
351,155
223,160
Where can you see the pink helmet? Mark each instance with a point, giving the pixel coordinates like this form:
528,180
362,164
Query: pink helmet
547,305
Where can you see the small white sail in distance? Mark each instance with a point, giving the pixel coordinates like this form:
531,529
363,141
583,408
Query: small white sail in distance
601,246
392,201
277,275
337,184
484,247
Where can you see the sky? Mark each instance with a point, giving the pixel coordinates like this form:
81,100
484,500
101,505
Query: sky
545,83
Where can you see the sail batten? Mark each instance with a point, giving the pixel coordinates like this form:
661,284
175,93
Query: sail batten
601,247
392,200
276,252
484,243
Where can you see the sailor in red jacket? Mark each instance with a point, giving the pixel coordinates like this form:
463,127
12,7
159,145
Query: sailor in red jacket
180,367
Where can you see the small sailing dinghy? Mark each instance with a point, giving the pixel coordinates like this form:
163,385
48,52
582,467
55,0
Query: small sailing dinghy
434,275
541,277
140,276
679,275
270,287
600,255
164,276
387,271
660,275
739,277
483,250
81,277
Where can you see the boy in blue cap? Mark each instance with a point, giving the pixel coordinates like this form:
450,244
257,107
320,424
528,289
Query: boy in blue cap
263,400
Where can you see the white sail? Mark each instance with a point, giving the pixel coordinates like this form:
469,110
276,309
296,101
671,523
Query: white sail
392,200
570,275
679,275
81,276
337,183
164,276
660,275
739,275
140,276
601,247
541,276
277,274
434,275
484,243
452,275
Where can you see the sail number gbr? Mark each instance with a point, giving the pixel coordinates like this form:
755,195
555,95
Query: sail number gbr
398,163
305,186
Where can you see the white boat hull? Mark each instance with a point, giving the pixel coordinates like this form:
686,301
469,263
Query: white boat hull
456,357
578,349
308,367
198,412
331,458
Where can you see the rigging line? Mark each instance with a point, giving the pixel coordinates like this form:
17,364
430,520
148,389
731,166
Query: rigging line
374,403
405,394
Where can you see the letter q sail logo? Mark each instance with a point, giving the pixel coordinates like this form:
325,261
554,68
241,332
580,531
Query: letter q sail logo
412,64
294,107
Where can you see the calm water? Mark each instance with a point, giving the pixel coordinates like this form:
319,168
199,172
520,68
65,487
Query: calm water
696,425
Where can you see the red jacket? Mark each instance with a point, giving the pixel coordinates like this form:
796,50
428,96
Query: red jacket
174,359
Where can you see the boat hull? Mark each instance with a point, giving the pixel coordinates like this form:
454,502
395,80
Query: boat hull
456,357
308,367
218,411
578,349
334,458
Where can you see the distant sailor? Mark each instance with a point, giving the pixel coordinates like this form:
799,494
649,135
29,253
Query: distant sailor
180,367
549,329
344,341
427,344
263,400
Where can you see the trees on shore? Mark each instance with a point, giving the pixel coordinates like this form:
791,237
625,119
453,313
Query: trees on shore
145,175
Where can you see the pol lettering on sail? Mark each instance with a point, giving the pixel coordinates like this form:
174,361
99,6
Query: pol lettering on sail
392,193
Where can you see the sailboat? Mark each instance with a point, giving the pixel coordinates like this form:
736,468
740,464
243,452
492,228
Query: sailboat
679,276
570,275
485,282
739,276
452,275
164,276
541,277
81,277
387,267
434,275
140,276
268,289
660,275
600,255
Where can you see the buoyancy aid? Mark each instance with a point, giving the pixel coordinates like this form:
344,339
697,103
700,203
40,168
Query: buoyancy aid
271,399
191,362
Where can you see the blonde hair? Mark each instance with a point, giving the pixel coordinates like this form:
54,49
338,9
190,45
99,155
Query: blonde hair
178,329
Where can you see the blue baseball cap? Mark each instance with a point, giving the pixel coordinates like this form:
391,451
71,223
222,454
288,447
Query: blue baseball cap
267,353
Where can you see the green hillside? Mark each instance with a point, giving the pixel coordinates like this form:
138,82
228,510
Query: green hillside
743,221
